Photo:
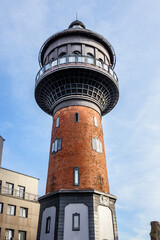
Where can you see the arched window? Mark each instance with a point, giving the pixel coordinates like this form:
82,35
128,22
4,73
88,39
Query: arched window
63,58
99,62
90,58
76,117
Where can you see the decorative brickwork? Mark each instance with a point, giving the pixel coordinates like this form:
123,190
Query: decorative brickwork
77,151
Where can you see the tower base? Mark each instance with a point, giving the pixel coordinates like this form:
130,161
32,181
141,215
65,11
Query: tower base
77,215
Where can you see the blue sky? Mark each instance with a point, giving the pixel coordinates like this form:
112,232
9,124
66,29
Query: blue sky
131,129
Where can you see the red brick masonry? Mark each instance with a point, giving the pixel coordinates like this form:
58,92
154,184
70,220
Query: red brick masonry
77,151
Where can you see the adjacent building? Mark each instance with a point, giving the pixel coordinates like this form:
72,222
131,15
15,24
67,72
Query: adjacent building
19,208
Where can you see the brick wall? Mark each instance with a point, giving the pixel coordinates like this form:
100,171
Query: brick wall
77,151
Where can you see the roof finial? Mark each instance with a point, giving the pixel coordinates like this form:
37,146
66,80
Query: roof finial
76,16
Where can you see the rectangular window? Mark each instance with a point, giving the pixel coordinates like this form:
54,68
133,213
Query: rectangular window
95,121
76,222
9,188
1,207
76,117
57,122
21,235
23,212
96,145
21,192
11,210
48,224
9,234
76,176
57,145
0,186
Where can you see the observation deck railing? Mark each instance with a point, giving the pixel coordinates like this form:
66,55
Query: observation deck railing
79,59
18,194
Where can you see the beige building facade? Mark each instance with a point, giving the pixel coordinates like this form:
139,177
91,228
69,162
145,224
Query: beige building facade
19,207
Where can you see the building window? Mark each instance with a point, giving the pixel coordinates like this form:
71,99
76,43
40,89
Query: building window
95,121
21,235
96,145
23,212
76,178
11,210
0,186
9,188
21,192
57,122
76,117
1,207
76,222
9,234
48,224
57,145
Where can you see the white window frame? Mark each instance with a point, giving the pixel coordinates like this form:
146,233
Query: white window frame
21,237
9,188
9,234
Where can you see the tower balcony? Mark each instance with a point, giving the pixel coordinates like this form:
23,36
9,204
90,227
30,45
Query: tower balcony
76,77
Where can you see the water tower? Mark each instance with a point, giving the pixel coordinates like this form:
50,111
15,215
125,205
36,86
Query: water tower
77,85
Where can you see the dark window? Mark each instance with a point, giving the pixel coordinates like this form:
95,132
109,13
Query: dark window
76,222
0,186
23,212
76,117
1,207
76,178
21,235
11,210
48,224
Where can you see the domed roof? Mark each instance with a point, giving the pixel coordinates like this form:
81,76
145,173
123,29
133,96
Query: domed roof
76,24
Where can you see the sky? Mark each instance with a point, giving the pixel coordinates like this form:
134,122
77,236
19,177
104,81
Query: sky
131,129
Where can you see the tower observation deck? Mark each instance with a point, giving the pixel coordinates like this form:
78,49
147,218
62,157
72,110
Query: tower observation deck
77,85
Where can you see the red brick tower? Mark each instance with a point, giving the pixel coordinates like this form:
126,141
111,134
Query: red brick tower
77,86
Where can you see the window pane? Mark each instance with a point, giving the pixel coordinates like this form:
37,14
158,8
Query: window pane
76,177
52,147
100,146
76,117
76,222
57,122
95,121
21,235
1,207
48,224
55,145
94,143
9,188
59,144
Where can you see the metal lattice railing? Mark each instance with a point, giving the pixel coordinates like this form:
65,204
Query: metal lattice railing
18,194
77,59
